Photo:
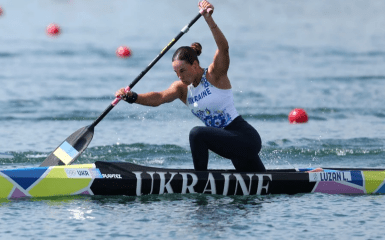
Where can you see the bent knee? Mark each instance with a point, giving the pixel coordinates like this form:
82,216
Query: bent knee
196,132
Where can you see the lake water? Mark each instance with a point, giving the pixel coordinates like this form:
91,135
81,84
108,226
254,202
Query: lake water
326,57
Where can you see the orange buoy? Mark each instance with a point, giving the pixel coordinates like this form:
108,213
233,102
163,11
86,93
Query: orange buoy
1,11
123,52
298,115
53,29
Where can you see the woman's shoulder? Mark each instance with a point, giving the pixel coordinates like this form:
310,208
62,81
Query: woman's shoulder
179,85
181,89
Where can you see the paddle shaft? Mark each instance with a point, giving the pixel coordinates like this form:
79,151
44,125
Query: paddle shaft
136,80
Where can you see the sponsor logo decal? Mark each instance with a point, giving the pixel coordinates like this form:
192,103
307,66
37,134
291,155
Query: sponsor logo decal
83,173
117,176
78,173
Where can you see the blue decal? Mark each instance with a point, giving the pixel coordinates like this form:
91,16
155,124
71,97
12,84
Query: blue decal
25,177
357,178
71,151
381,190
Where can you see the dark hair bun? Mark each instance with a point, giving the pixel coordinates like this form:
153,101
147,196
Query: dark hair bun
197,48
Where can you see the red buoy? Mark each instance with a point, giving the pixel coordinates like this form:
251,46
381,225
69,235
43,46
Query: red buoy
298,115
53,29
123,52
1,11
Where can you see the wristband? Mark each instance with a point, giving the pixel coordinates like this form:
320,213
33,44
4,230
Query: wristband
130,99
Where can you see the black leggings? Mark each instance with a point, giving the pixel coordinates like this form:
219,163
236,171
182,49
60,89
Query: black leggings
239,142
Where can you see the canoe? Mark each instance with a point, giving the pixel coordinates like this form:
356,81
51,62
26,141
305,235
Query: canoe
121,178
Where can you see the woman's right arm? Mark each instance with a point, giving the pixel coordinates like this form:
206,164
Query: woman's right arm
154,99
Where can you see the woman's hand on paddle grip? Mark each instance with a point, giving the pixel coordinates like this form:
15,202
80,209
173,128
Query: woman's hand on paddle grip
205,8
121,93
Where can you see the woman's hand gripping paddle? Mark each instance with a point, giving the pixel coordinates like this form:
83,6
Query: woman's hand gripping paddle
74,145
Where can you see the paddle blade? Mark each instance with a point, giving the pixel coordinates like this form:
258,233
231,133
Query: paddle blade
71,148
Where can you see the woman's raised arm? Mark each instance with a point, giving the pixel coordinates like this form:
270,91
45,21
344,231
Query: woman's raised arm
221,61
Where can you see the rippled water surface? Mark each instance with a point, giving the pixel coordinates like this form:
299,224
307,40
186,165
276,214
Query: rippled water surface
326,57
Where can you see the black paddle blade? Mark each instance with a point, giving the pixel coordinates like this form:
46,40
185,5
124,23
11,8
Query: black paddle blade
71,148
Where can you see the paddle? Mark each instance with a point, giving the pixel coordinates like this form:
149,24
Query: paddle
74,145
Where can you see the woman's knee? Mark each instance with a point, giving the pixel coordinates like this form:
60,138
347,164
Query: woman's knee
196,133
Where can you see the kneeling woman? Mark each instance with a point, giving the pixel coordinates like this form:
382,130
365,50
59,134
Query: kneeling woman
207,92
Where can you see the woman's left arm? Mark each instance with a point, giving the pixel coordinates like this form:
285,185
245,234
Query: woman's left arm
221,62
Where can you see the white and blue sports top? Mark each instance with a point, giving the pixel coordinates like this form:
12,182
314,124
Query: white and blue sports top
214,106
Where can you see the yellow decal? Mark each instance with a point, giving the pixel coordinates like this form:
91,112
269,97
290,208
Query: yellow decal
5,187
63,156
58,183
373,179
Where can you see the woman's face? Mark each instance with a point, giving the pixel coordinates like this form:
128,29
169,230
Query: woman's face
185,71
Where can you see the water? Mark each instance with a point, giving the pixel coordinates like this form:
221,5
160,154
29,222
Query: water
324,56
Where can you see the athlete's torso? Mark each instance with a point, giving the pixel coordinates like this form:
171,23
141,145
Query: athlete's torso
214,106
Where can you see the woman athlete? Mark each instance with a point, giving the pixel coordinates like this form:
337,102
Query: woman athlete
207,92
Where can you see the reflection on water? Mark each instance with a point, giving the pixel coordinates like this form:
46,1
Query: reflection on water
80,213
